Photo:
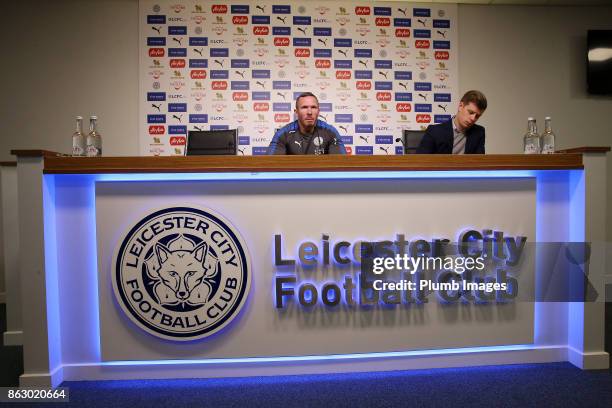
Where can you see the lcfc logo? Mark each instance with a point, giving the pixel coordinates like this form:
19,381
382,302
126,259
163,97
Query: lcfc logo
181,273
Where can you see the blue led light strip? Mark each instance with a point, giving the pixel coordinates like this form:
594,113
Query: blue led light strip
336,357
245,176
327,175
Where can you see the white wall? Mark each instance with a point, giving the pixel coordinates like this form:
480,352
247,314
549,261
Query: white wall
531,61
70,57
64,58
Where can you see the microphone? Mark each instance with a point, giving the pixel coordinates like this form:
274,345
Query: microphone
403,142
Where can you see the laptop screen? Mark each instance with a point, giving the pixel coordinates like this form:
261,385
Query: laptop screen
211,142
412,140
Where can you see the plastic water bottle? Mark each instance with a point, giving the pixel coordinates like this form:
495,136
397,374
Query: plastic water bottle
78,138
531,140
548,137
94,139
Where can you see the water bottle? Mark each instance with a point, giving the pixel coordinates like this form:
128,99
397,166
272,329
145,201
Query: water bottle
531,140
94,139
548,137
78,138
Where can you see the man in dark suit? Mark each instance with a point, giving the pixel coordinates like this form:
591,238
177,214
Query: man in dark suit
461,134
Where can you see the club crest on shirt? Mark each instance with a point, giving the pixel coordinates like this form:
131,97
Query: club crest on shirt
181,273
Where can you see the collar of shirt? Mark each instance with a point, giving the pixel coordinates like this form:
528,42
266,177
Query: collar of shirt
306,135
455,130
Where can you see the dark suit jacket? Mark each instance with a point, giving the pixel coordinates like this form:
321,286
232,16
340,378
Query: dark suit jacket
439,139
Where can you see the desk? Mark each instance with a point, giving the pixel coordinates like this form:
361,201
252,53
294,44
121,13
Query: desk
81,212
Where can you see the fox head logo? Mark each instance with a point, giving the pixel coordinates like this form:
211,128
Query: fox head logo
183,272
184,281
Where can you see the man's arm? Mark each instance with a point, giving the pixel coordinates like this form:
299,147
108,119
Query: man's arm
481,143
278,145
336,146
428,144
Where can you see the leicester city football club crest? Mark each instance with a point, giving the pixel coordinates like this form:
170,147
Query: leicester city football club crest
181,273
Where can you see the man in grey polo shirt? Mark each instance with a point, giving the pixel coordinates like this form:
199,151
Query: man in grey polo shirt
307,134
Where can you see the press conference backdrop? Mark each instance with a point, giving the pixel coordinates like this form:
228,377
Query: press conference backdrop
377,68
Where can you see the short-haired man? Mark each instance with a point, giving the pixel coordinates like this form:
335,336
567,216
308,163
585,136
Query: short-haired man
307,134
461,134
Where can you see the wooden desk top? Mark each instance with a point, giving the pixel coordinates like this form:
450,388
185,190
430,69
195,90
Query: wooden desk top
55,163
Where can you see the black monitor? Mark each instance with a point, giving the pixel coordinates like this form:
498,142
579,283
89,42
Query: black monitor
211,142
599,62
412,140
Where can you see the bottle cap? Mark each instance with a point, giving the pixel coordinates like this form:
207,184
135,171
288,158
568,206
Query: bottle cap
93,117
530,118
79,117
547,118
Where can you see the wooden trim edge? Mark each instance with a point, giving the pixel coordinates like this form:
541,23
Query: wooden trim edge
586,149
258,164
35,153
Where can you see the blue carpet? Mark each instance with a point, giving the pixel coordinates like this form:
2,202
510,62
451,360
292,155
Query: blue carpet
548,385
528,385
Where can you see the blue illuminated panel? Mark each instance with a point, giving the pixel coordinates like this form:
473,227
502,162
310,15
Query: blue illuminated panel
392,354
94,327
325,175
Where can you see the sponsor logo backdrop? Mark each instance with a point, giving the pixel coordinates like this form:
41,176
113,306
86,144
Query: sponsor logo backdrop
377,68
